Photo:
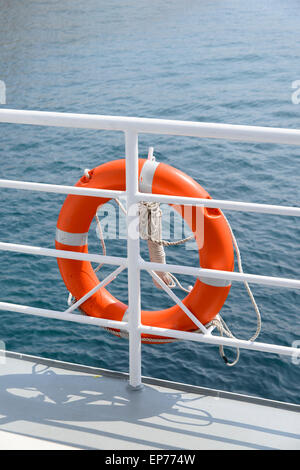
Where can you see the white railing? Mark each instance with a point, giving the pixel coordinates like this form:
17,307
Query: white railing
134,263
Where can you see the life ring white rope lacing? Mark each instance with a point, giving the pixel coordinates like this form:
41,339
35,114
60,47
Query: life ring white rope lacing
150,230
220,323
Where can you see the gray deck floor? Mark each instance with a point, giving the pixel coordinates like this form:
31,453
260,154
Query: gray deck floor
51,405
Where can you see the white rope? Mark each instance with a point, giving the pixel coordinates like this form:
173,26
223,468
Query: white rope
151,230
87,173
100,232
188,290
239,259
223,329
121,206
220,324
125,335
157,255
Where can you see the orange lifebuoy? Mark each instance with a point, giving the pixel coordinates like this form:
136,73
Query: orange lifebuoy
214,245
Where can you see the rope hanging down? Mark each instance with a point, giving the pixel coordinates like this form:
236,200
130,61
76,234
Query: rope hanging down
220,324
150,227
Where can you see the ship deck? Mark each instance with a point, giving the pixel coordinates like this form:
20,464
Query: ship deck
47,404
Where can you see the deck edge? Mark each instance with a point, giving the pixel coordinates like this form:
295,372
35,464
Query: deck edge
188,388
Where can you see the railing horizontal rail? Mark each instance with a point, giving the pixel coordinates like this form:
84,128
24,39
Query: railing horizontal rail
57,315
106,193
60,189
150,330
36,250
220,340
174,268
153,126
221,204
216,274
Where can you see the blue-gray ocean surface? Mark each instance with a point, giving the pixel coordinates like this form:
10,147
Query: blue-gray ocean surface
210,61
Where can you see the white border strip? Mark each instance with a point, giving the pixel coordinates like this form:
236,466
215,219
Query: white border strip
71,239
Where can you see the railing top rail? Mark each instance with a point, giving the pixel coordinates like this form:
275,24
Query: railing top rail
153,126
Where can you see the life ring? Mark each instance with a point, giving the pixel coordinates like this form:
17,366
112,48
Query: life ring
215,246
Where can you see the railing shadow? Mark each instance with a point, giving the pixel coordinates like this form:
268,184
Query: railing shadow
76,403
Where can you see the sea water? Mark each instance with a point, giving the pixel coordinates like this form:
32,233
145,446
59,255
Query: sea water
218,61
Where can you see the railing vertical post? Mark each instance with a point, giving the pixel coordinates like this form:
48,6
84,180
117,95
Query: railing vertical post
133,254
